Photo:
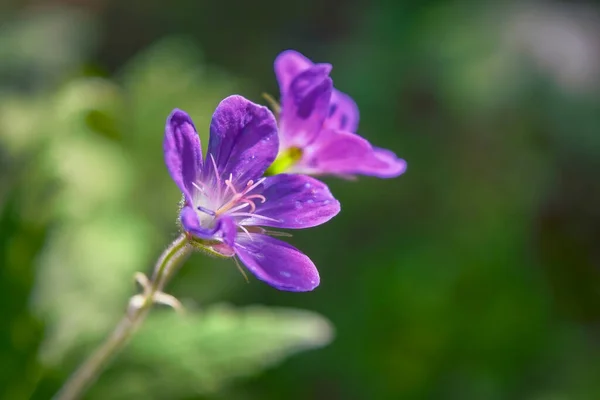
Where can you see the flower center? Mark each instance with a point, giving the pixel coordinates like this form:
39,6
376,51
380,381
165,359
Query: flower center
212,204
211,201
285,160
242,199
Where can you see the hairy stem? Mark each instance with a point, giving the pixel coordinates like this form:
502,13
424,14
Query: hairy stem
138,309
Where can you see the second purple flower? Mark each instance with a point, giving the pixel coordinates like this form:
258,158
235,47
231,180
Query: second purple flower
317,126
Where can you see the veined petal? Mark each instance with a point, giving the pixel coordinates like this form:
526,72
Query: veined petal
346,153
288,65
224,229
343,113
277,263
293,202
243,141
305,106
182,151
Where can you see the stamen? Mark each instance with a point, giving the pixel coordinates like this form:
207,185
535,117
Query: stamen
245,214
239,197
241,247
200,188
229,184
206,211
245,204
246,231
258,182
239,200
214,163
256,196
251,204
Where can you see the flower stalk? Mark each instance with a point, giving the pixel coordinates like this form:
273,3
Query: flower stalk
139,306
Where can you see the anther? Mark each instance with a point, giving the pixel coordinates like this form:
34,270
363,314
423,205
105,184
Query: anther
206,211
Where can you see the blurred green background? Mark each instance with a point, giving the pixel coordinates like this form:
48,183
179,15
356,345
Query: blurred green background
476,275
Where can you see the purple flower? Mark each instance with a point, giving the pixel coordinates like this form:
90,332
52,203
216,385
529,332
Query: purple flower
317,126
227,201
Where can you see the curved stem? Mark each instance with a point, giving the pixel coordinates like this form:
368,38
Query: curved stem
138,309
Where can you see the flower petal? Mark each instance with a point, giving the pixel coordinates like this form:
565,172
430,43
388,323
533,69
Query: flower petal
288,65
243,141
277,263
343,113
346,153
394,166
224,229
182,151
293,202
305,106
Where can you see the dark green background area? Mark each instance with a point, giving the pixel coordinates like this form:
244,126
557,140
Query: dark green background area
475,275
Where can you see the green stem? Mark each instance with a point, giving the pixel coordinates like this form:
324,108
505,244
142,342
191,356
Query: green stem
91,369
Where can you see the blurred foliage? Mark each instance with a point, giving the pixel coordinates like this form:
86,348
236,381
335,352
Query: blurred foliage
175,356
474,276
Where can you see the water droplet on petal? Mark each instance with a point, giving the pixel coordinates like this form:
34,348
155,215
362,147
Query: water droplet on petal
285,274
307,185
298,205
310,201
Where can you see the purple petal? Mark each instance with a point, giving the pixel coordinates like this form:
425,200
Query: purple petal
305,106
345,153
182,151
343,113
394,166
243,141
293,202
288,65
277,263
223,230
227,229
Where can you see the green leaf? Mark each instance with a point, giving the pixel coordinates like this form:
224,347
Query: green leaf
176,356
